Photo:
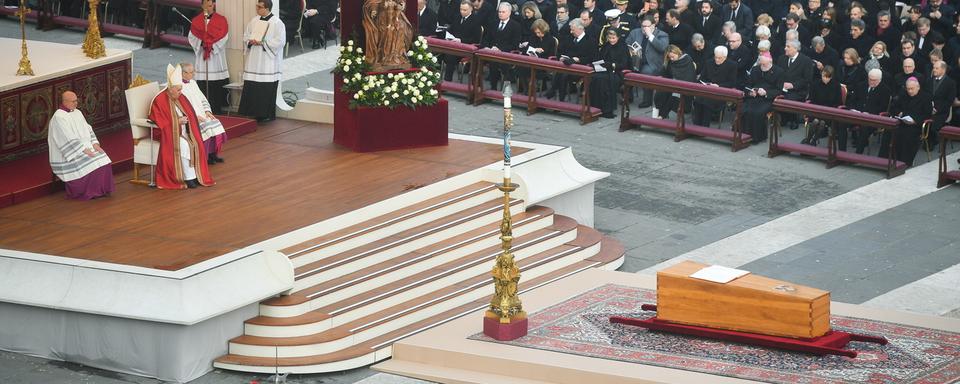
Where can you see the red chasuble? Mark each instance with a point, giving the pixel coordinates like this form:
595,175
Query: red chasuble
212,32
169,168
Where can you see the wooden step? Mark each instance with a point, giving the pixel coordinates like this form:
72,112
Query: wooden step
562,230
378,348
429,257
414,310
392,222
389,247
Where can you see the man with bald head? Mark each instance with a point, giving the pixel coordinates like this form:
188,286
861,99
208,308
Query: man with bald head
912,108
764,84
75,153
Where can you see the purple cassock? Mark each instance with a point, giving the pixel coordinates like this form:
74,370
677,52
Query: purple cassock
98,183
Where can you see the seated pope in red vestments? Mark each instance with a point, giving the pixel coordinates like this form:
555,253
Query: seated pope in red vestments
182,159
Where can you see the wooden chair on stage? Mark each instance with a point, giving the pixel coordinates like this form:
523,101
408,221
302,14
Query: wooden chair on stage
145,149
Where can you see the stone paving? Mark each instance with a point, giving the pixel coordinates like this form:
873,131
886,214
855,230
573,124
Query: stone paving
662,200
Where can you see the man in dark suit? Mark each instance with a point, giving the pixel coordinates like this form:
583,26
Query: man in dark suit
679,33
764,84
740,55
860,40
872,98
797,74
486,11
427,24
465,29
579,49
707,23
888,32
504,36
741,15
548,10
822,55
562,24
627,19
448,12
944,92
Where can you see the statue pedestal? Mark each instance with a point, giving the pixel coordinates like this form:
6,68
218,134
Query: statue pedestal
369,129
493,328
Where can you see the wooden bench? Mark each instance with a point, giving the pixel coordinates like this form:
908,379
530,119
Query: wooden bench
535,64
835,116
680,127
465,51
947,134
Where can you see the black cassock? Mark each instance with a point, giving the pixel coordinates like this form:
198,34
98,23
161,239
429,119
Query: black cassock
755,108
907,136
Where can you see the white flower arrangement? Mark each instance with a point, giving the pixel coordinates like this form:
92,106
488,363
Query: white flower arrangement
410,88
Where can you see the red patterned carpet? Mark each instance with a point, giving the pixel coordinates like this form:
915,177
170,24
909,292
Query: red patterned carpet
580,326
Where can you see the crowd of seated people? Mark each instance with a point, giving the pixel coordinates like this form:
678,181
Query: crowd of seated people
880,57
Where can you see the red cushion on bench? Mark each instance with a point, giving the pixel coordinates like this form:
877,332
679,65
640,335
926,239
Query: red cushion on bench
868,160
720,92
834,113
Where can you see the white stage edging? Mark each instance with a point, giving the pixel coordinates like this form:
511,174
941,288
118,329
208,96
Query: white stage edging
185,297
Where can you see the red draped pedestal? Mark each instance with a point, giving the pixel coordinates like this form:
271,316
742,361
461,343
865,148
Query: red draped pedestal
368,129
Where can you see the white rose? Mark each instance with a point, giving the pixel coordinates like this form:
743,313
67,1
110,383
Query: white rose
390,75
409,53
349,42
433,59
419,57
386,102
395,95
356,76
359,50
350,49
406,92
433,91
346,68
420,84
366,87
342,48
356,96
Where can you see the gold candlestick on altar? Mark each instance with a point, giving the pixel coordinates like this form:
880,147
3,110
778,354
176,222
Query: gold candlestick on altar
24,68
92,43
505,319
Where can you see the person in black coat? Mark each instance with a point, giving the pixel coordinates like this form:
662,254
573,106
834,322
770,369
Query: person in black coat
741,15
448,12
826,92
852,74
699,51
543,45
872,97
764,84
677,66
859,39
887,31
912,108
427,20
465,29
708,24
679,33
822,54
943,89
486,10
908,70
605,85
504,36
719,72
579,49
797,76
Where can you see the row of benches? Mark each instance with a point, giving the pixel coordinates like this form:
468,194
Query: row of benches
152,36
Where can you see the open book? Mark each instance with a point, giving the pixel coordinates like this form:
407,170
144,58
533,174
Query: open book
532,51
906,119
448,35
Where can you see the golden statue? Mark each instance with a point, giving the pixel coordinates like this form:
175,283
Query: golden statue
23,68
388,34
92,43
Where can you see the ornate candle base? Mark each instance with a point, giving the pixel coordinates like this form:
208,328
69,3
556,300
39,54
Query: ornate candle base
515,329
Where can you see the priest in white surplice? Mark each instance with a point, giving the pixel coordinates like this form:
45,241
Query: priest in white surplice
208,37
211,130
264,37
75,153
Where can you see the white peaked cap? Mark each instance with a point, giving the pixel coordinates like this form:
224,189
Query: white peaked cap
174,75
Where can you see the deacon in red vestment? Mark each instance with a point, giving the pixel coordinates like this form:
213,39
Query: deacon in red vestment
182,159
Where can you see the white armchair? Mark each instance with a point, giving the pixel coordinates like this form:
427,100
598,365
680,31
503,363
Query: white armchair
145,149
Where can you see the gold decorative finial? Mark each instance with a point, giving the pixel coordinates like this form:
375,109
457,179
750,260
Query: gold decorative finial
92,43
138,81
24,68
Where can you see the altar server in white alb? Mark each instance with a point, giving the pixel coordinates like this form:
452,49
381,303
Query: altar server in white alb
211,130
75,153
208,37
264,39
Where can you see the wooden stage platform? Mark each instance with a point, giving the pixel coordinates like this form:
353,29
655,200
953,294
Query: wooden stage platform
285,176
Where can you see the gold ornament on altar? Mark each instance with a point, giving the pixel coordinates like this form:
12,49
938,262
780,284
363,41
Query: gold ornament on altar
24,68
505,304
138,81
92,43
388,34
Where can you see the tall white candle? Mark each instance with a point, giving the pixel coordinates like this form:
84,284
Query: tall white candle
506,101
506,172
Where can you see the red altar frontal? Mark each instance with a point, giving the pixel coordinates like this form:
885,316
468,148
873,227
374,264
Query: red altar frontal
367,129
27,102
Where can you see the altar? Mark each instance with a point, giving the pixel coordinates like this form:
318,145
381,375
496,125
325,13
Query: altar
27,102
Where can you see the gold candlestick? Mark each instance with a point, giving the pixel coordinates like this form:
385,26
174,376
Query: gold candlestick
92,43
24,68
505,319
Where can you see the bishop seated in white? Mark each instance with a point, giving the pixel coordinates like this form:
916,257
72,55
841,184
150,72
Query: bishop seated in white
75,153
211,130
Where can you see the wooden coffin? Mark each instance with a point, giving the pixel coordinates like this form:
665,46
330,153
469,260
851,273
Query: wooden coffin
750,303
